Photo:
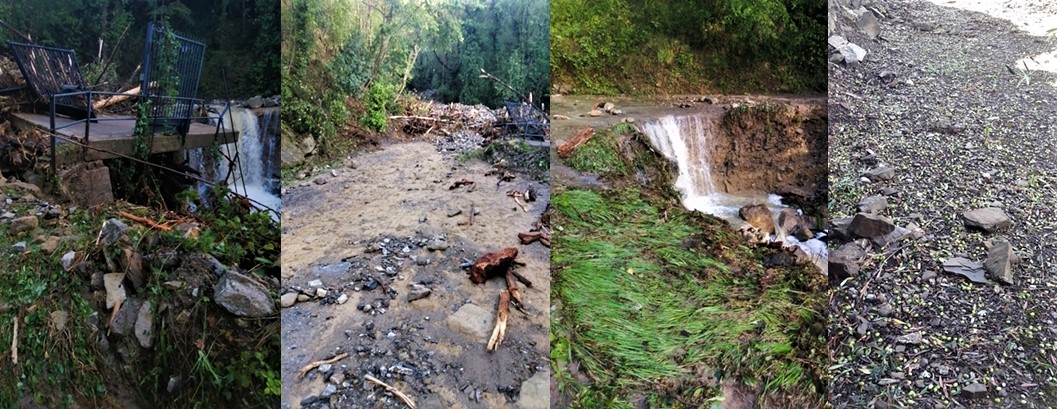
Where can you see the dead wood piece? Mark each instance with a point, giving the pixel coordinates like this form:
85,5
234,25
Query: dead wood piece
499,332
316,364
581,137
524,280
460,183
14,344
515,292
472,212
520,204
406,399
150,223
529,237
114,99
492,264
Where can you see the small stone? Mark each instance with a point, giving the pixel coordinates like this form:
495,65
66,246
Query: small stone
437,245
972,270
333,173
23,224
342,299
113,229
911,338
329,390
999,262
873,204
595,113
243,296
320,181
325,368
454,212
303,297
19,247
880,174
418,291
67,260
315,283
321,292
115,290
989,219
974,391
144,328
288,300
868,225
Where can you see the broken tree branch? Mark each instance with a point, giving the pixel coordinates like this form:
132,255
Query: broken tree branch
113,99
407,400
150,223
515,292
316,364
472,211
500,323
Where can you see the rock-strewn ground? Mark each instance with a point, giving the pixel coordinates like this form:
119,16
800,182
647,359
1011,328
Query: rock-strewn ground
934,121
362,244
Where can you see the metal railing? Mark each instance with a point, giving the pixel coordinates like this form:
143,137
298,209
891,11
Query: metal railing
87,121
185,70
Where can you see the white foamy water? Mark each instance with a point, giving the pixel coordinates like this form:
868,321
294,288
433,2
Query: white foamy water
251,171
689,141
251,175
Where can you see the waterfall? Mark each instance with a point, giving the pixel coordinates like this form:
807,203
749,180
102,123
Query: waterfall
688,141
257,151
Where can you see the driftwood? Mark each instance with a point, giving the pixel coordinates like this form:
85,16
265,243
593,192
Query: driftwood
150,223
492,264
407,400
581,137
472,211
531,237
14,344
316,364
114,99
500,323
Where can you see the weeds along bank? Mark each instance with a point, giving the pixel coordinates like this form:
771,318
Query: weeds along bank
657,305
127,306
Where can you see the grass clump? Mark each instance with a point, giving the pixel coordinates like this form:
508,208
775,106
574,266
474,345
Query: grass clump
660,300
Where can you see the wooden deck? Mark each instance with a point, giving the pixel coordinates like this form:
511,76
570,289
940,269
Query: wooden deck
114,135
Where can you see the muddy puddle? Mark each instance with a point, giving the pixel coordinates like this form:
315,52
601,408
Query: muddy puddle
379,252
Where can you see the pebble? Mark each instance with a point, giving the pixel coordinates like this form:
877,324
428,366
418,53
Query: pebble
343,299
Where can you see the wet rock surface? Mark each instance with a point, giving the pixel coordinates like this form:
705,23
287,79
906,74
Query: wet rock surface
412,317
945,313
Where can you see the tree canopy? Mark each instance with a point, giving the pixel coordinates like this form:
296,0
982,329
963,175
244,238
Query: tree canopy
241,38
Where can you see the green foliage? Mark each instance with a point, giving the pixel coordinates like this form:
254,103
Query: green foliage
380,101
716,45
242,38
504,37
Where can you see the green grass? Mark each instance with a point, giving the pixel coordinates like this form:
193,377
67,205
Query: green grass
648,305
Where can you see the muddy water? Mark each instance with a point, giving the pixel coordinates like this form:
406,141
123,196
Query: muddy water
398,198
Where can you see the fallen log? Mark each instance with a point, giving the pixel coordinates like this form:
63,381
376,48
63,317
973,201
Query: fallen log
492,264
499,332
581,137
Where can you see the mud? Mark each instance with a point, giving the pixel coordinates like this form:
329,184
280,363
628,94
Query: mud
370,233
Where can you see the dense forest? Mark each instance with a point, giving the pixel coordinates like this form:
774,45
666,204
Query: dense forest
241,38
348,62
688,46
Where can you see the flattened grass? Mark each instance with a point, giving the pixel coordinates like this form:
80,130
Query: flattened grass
657,300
